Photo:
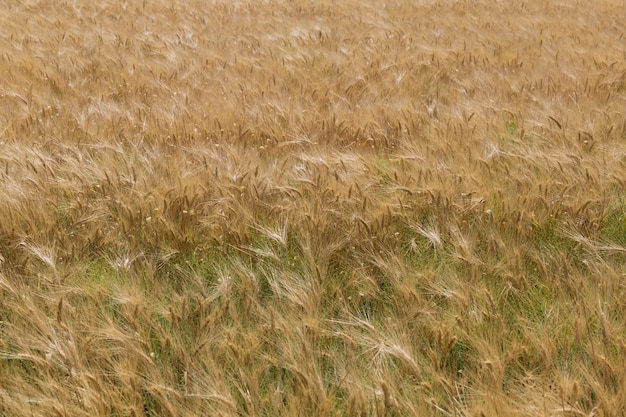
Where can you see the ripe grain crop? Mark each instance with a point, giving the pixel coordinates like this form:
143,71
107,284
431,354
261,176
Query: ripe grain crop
294,208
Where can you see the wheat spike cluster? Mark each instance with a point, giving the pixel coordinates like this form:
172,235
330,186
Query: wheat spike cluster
312,208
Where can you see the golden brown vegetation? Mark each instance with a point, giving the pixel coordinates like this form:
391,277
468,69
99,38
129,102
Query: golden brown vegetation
400,208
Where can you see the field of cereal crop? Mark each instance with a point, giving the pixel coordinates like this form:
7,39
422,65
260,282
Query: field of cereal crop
303,208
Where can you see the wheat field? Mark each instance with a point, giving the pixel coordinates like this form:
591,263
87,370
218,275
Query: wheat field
303,208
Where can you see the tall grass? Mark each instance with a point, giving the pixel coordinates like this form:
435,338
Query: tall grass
294,208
